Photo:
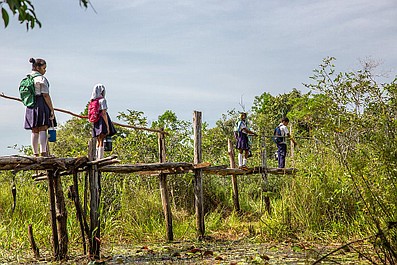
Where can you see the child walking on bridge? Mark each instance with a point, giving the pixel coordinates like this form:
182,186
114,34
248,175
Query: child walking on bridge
102,125
243,142
281,143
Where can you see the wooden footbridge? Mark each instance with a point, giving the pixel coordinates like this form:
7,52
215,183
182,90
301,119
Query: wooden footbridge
55,167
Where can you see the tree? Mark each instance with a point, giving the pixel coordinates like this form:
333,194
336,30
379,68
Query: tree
357,123
25,11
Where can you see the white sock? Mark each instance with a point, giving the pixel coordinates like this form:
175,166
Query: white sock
101,152
35,143
43,141
244,161
240,159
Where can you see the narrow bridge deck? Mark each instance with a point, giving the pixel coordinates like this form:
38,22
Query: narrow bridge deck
18,163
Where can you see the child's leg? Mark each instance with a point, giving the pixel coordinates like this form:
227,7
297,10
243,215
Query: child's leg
245,157
35,143
100,152
100,149
99,140
240,159
43,142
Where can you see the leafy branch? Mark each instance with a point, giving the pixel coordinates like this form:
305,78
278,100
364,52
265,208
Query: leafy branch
25,11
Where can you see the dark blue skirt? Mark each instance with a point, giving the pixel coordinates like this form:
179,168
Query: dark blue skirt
100,127
242,141
39,115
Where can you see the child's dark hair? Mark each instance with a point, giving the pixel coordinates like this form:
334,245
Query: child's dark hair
285,119
37,62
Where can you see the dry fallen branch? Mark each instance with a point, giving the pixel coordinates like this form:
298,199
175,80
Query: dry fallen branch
86,117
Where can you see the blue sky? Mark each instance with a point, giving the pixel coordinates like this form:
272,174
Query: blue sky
188,55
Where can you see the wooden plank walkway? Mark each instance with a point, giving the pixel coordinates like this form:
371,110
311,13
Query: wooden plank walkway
18,163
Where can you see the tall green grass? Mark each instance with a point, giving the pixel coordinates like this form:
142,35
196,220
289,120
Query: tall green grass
318,203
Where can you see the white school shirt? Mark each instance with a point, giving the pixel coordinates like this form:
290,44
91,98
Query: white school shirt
41,84
284,132
242,125
103,104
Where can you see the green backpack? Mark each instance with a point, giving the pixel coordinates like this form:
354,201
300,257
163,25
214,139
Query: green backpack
27,90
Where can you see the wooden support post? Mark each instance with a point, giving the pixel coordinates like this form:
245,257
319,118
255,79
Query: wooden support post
266,198
236,201
79,213
61,217
85,202
198,176
51,193
164,189
292,147
95,195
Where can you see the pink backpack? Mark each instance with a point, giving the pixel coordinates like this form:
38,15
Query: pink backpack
93,110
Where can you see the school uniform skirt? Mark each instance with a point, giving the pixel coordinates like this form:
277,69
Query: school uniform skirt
242,141
39,115
100,127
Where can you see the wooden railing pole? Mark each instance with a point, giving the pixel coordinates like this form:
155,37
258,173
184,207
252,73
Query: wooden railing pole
198,175
164,189
95,192
236,202
266,198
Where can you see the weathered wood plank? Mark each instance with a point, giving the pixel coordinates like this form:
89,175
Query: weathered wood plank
131,168
61,218
165,200
236,201
198,175
250,171
18,163
95,197
265,184
51,192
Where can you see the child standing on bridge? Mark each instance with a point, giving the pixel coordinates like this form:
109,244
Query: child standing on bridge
40,116
242,132
103,126
282,145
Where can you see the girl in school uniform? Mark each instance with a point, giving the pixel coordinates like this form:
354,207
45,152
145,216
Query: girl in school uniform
104,126
243,142
41,116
